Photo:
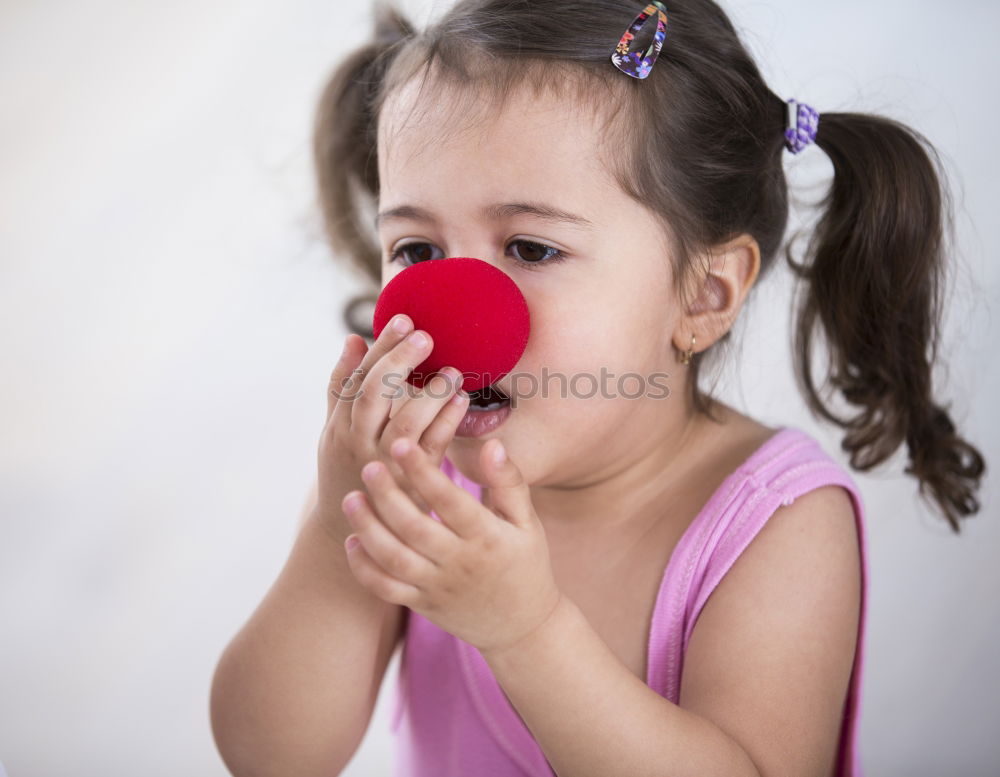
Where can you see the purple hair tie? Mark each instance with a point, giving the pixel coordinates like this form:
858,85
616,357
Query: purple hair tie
801,126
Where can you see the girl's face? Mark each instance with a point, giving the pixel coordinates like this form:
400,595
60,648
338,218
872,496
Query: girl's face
602,315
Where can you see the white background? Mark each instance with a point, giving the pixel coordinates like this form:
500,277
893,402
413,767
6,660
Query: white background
169,316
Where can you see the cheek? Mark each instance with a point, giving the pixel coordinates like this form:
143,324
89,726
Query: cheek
583,336
577,362
604,324
587,368
565,339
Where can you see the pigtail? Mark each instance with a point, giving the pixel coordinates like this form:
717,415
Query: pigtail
345,154
874,285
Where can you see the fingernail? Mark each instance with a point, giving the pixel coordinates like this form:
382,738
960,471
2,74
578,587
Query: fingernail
369,471
418,339
352,502
499,455
453,376
401,325
351,543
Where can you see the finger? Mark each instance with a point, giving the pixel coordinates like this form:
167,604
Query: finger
397,404
438,436
398,513
370,411
360,363
435,440
417,414
342,371
375,579
455,506
399,400
505,492
384,548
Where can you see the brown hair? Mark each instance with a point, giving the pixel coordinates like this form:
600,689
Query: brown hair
874,267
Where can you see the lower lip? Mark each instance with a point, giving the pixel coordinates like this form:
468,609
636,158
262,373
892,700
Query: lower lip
479,422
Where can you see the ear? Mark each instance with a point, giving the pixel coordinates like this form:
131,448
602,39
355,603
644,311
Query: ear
720,287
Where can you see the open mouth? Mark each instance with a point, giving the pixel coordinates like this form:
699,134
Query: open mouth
487,398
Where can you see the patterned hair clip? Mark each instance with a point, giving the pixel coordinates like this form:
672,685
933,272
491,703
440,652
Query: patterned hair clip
639,65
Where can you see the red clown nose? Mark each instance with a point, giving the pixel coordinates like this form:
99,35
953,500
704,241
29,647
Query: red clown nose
474,312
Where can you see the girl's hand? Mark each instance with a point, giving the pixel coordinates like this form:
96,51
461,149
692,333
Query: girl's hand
370,405
483,576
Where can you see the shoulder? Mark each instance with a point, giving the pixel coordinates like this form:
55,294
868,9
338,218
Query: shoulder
769,660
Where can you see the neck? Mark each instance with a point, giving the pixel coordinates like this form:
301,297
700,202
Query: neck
626,498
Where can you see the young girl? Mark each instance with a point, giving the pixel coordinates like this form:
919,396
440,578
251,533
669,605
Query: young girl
619,583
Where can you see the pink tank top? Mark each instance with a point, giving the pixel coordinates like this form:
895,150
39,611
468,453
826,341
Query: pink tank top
450,715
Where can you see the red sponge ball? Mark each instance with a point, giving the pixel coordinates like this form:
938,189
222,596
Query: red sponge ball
474,312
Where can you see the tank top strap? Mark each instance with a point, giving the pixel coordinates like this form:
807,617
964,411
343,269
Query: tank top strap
794,468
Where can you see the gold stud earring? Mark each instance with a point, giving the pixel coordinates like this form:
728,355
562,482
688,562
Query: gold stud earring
686,356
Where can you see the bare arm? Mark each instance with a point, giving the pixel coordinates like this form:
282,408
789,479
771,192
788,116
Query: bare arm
294,691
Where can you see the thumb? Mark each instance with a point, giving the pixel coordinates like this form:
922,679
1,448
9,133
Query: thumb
506,492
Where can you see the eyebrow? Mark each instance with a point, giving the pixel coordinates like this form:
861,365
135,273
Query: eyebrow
493,212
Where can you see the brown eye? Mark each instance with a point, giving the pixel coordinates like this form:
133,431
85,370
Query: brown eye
535,253
418,252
